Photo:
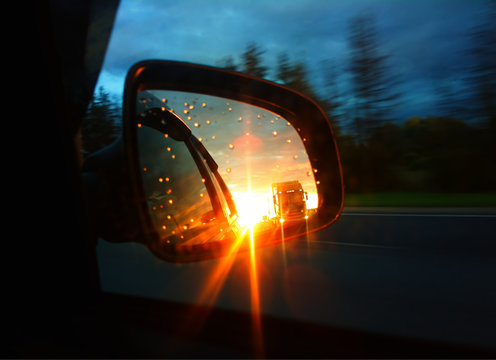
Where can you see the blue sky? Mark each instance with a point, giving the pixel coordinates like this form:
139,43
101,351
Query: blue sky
426,41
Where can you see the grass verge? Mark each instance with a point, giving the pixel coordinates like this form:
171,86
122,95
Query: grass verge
421,199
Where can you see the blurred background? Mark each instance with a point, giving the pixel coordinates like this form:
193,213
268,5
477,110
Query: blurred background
409,87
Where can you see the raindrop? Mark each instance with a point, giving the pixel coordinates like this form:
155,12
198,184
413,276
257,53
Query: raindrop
274,133
204,105
197,125
208,122
295,157
288,141
240,119
228,170
186,111
168,148
231,146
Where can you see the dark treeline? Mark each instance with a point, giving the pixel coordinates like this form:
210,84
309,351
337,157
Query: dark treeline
452,151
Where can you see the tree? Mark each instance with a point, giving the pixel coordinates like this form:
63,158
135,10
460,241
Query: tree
294,75
374,92
252,61
333,93
228,63
482,76
100,126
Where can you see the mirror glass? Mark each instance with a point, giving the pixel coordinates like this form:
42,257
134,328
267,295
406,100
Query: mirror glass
213,168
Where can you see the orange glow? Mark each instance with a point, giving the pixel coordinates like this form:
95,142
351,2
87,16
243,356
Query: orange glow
255,300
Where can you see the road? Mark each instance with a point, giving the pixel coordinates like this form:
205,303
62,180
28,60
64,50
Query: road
423,276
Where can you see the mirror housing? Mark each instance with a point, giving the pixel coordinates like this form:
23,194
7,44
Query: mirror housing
113,176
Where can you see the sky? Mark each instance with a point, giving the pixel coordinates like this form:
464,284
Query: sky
426,41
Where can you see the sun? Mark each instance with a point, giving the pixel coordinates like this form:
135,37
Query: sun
252,207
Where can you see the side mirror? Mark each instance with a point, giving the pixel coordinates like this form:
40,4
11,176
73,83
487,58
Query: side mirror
208,155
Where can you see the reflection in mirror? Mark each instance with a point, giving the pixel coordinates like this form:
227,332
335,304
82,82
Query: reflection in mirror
210,164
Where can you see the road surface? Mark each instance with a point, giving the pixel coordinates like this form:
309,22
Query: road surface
424,276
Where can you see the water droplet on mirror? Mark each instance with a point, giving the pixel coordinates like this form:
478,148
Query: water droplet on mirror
274,133
240,119
186,111
196,124
168,148
295,157
228,170
288,141
204,105
231,146
208,122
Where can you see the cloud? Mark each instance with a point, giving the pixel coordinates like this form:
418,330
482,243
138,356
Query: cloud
423,39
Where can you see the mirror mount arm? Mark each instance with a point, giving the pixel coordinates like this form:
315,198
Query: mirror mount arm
107,191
